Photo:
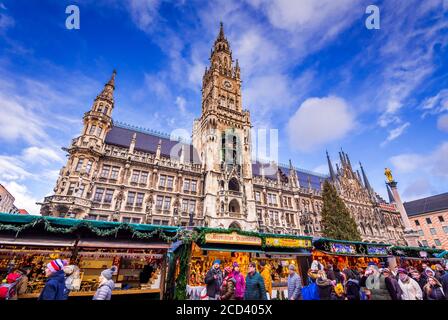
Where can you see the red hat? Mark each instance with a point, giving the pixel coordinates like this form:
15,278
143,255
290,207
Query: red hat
55,265
12,277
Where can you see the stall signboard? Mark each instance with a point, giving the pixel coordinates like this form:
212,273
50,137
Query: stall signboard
343,248
376,251
288,242
232,238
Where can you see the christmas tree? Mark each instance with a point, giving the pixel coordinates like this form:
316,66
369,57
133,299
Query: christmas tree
337,222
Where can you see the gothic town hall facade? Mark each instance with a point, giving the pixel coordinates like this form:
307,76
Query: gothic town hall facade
117,172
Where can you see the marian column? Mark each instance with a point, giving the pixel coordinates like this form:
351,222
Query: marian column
410,235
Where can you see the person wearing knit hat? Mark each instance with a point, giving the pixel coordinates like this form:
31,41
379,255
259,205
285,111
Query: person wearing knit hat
213,280
55,285
409,287
106,284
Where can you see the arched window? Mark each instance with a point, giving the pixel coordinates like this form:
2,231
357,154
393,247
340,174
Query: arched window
234,206
235,225
234,185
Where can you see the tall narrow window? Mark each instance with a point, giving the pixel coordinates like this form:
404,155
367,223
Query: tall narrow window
108,196
143,177
114,175
89,166
162,180
159,202
166,203
193,185
169,182
105,171
139,201
98,197
81,190
135,176
71,188
192,206
92,130
79,165
184,205
131,198
186,185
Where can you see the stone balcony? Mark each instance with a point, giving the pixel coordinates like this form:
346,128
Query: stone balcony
68,200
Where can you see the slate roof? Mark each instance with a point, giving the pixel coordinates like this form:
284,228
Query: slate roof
425,205
302,175
121,136
146,141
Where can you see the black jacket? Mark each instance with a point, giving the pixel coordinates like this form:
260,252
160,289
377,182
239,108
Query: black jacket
325,288
213,285
352,290
444,281
394,288
435,294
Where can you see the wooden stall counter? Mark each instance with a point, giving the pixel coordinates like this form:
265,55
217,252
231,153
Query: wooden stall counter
92,293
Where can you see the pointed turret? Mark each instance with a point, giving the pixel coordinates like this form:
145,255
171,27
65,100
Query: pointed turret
292,174
358,175
330,167
132,144
108,91
366,181
221,32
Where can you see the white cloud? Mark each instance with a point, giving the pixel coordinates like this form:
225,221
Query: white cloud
143,12
437,103
319,121
435,163
18,122
418,188
442,123
23,197
40,155
395,133
6,21
180,103
11,168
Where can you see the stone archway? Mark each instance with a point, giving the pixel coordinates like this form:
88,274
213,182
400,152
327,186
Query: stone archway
234,206
235,225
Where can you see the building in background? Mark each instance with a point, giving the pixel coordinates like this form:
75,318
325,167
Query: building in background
118,172
6,201
429,217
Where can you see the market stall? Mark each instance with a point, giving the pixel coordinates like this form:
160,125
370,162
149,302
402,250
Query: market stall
138,251
229,246
351,254
416,256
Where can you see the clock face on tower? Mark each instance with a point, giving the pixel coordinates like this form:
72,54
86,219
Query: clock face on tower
227,84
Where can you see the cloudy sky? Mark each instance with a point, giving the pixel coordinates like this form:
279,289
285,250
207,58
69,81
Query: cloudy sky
310,69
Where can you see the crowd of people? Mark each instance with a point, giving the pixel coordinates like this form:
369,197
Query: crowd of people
375,282
61,279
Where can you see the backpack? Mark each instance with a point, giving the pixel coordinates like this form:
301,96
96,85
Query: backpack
7,290
310,292
339,290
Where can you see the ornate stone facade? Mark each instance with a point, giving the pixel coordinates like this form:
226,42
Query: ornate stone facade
121,173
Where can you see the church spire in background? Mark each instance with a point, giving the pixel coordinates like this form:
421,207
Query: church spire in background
330,167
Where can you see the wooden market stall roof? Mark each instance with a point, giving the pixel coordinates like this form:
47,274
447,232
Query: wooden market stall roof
17,224
419,252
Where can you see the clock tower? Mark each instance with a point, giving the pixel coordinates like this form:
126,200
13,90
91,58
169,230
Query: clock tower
222,137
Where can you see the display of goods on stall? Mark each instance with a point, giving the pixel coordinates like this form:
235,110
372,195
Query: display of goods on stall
416,256
139,251
354,254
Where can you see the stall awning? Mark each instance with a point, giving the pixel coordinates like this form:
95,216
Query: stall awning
230,249
122,244
307,253
36,242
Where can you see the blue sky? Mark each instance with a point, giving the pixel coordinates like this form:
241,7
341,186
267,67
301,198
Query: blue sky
310,69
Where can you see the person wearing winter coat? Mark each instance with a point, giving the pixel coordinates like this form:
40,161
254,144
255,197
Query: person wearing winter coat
444,282
324,286
72,280
330,272
255,289
376,284
411,289
419,278
106,284
294,284
240,283
228,285
433,290
22,282
55,285
266,274
213,280
313,271
392,285
439,272
352,286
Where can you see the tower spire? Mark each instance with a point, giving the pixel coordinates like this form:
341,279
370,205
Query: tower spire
109,87
330,167
221,31
364,177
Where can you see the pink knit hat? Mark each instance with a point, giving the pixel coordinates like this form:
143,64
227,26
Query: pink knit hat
55,265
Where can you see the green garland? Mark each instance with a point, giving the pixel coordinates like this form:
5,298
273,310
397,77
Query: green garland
180,291
180,234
